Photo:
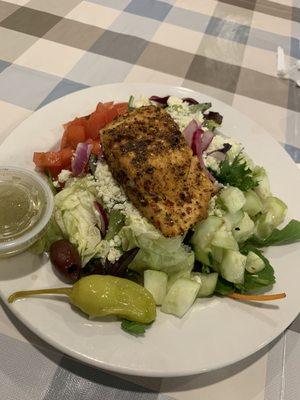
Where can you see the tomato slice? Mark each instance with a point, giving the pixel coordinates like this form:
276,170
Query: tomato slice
66,157
64,139
73,135
103,115
96,122
96,150
111,114
81,121
104,106
53,159
49,159
121,108
79,130
53,172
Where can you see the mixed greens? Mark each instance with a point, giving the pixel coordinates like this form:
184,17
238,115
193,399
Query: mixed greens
219,256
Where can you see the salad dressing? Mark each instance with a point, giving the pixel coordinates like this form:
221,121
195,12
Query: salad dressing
20,207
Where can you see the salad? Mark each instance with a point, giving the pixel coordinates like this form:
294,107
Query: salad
119,262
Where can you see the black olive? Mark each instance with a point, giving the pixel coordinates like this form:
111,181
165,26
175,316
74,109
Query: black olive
66,259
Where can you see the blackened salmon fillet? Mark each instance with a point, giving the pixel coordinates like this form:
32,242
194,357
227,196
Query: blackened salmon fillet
149,157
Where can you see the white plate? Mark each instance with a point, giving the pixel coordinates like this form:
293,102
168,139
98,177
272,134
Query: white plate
216,332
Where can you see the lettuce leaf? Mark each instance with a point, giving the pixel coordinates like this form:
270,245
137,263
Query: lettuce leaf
156,251
260,280
51,235
289,234
134,328
252,282
224,287
77,221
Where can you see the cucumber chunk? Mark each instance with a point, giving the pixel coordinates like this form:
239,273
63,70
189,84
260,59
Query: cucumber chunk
233,199
277,208
244,229
263,188
233,266
203,255
223,238
232,220
175,276
273,215
217,253
202,237
253,203
254,263
208,283
180,297
264,226
205,230
156,283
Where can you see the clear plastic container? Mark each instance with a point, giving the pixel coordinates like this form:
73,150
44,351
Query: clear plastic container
26,206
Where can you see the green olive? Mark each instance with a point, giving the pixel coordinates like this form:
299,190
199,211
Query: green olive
101,295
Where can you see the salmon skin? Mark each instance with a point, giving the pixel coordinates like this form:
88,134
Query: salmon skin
149,157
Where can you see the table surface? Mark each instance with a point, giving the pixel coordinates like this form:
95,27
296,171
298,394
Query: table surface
226,49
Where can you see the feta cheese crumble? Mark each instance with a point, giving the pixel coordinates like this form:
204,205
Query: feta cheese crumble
181,112
107,188
64,175
173,101
141,102
213,208
111,193
218,143
114,198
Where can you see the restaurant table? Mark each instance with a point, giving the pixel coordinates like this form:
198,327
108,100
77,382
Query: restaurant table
226,49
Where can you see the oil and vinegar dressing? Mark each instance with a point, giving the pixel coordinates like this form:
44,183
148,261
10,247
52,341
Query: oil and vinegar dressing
20,207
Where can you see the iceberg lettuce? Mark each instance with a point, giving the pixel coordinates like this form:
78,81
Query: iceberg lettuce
51,234
74,214
156,251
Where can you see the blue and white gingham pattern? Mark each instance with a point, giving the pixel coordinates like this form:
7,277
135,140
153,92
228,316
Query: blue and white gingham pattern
224,48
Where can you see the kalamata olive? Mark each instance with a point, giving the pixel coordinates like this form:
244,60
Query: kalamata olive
66,259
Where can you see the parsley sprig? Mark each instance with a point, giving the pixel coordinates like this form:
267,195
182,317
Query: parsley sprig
236,174
134,328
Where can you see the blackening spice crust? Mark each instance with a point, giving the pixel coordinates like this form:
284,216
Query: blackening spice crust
148,155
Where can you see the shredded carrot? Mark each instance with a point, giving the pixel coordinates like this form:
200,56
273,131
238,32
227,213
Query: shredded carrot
257,297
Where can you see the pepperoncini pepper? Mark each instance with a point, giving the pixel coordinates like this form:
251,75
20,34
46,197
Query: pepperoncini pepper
101,295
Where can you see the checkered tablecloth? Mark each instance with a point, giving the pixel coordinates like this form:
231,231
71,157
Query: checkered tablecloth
226,49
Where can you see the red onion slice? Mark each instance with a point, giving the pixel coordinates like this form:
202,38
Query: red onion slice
189,130
205,170
160,100
102,218
197,150
192,137
214,116
81,158
119,267
190,100
196,142
226,147
206,139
